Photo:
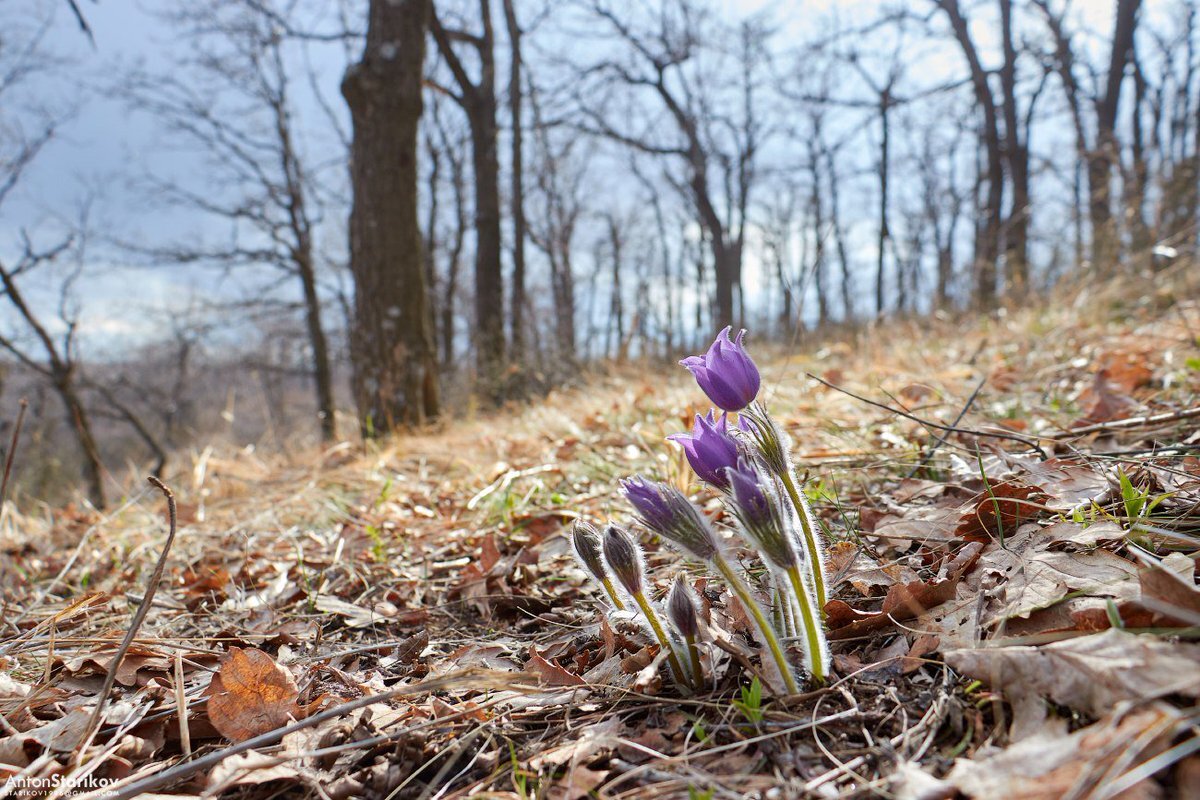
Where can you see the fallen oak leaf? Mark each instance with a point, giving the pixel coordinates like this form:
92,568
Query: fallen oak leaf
907,600
251,695
1000,510
548,673
1088,673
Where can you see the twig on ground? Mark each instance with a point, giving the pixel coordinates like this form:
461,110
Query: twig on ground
138,618
1129,422
940,440
1012,437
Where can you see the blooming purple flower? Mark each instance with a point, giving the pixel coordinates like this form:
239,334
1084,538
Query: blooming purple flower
726,372
709,449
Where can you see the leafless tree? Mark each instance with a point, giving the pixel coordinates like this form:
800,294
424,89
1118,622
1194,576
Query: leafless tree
233,101
716,143
477,97
1099,152
392,349
55,358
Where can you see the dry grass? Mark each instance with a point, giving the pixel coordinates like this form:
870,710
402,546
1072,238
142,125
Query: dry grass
360,569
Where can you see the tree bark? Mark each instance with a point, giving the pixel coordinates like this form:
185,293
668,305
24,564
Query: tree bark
1016,154
392,350
1105,155
478,101
987,245
517,200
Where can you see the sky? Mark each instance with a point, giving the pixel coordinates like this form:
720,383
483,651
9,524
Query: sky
106,151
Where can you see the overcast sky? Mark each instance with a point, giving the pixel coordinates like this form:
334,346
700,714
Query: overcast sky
106,150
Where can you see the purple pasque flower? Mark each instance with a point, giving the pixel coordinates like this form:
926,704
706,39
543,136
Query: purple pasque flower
726,373
709,448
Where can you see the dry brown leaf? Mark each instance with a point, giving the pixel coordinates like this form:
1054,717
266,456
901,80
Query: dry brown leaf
1040,577
251,694
1052,766
549,673
1107,402
904,600
1000,511
1088,673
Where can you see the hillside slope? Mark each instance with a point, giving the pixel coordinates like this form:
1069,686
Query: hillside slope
1006,622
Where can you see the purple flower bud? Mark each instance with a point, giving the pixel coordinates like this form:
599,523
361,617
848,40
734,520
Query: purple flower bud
681,607
753,507
709,449
757,504
664,510
624,557
726,372
585,539
649,502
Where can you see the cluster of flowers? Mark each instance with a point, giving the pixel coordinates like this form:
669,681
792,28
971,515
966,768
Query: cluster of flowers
748,461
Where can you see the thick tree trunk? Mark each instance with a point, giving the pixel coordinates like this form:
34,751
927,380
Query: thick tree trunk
489,279
395,363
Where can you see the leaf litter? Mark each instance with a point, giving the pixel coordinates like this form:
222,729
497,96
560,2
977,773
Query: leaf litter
407,621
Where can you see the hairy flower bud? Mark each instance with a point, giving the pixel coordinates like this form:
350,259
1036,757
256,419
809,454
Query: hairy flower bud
681,607
585,540
623,555
758,506
664,510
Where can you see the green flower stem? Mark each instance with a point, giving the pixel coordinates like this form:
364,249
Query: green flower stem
811,633
772,641
810,542
612,593
694,655
660,634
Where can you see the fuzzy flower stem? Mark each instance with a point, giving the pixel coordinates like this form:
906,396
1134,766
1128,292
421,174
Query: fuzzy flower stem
694,655
810,542
812,635
611,591
661,635
764,626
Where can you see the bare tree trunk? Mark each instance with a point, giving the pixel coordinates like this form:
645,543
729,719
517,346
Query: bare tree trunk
884,232
1016,153
987,244
478,101
322,371
517,200
77,417
394,359
1105,155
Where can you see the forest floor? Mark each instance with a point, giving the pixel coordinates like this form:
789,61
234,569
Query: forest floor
408,621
